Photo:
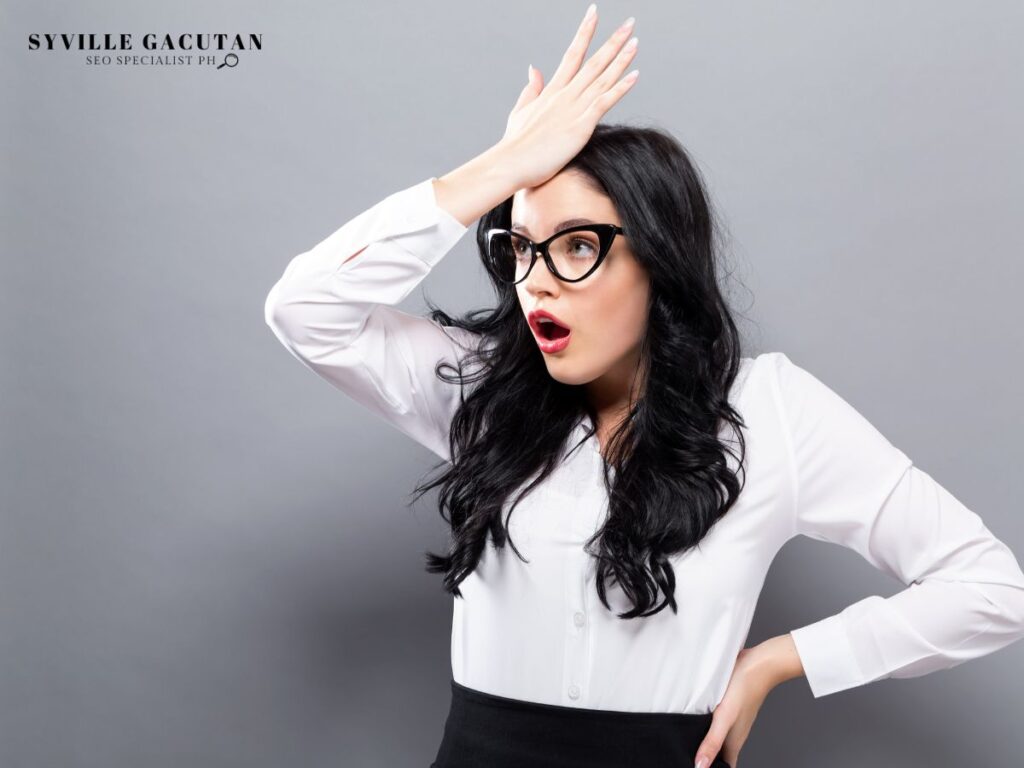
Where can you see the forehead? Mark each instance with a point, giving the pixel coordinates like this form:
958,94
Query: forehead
562,201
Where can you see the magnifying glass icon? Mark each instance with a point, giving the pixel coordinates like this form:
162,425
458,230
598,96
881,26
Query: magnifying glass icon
230,60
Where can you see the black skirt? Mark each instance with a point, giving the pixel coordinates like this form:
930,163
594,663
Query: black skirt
487,731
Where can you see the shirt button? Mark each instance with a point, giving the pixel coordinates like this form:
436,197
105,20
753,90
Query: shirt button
578,619
574,691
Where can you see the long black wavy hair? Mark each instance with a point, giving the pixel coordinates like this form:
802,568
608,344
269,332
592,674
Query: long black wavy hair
671,479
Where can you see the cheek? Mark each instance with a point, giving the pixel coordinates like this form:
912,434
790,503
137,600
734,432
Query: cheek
617,320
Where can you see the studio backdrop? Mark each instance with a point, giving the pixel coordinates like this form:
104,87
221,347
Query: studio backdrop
208,556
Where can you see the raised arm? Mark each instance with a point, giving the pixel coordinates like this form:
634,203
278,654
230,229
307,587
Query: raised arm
334,310
334,306
964,594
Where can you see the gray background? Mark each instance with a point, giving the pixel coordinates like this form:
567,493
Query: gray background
204,555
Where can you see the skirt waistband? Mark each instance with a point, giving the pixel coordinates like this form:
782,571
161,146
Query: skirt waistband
484,729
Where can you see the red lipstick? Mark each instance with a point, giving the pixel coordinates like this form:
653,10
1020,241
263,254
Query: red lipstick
551,333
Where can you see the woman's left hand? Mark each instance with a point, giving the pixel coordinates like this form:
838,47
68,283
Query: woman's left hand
756,672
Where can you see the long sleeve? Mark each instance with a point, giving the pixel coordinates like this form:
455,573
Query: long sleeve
964,595
338,316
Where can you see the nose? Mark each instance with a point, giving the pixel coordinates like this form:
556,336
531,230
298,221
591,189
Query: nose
541,278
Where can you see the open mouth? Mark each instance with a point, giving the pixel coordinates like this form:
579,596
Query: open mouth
551,330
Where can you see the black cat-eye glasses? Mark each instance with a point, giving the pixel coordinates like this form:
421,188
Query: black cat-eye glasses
571,254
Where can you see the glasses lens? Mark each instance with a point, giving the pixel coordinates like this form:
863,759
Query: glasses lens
510,256
573,253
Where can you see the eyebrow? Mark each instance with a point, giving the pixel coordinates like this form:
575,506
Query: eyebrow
558,227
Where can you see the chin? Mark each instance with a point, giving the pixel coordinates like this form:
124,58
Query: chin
568,374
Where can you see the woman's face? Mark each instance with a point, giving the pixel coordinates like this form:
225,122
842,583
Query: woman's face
606,312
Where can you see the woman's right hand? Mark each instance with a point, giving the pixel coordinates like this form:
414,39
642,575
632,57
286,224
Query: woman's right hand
550,124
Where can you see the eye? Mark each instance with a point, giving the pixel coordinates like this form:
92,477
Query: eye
582,247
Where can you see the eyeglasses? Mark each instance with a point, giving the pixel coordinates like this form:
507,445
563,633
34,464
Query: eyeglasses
571,255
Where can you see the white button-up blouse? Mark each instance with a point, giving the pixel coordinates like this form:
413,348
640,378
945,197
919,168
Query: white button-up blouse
536,630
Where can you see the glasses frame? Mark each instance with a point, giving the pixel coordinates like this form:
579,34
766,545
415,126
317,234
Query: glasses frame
605,234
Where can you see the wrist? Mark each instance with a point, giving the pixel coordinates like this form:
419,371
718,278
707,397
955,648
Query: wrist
504,160
775,661
480,184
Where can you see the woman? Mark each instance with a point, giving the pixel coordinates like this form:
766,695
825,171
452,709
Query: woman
602,422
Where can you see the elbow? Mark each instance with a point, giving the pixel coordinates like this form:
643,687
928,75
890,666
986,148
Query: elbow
1015,610
286,315
1005,604
273,309
291,326
1010,599
277,314
285,307
270,309
1011,609
311,321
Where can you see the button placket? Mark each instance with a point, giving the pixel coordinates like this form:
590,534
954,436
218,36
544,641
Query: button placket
576,680
577,676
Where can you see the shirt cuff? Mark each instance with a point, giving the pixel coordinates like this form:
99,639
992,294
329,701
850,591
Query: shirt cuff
827,656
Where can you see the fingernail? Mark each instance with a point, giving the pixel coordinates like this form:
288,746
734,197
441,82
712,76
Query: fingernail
627,23
590,10
631,44
702,762
529,72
